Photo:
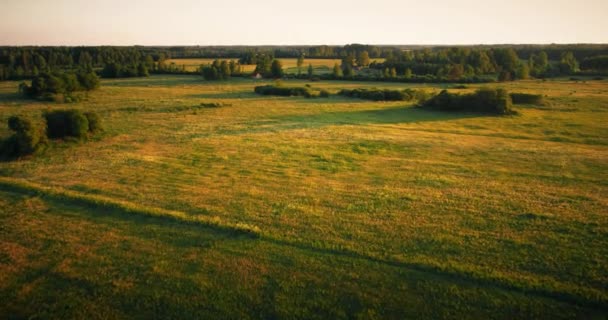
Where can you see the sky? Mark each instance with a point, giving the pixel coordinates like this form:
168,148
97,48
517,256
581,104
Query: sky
308,22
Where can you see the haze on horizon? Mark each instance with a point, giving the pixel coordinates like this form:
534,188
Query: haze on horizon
313,22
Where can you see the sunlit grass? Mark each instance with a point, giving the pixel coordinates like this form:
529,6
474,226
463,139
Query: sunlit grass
458,208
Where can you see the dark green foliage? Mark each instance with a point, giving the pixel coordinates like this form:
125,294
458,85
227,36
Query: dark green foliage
568,63
264,64
28,138
597,63
117,70
57,86
279,90
381,94
87,80
220,70
527,98
18,63
271,90
68,123
492,101
94,122
276,70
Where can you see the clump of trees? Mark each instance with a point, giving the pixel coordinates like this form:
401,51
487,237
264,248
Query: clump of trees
280,90
221,70
59,86
597,63
28,137
117,70
528,98
486,100
268,66
383,94
71,123
32,136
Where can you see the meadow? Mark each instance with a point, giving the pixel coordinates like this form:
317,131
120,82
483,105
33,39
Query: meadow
287,207
320,66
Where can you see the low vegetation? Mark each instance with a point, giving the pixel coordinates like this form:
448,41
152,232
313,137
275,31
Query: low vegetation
384,94
528,98
117,70
486,100
279,208
60,86
71,123
31,136
28,137
281,90
221,70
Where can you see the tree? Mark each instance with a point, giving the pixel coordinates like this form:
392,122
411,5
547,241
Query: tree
347,70
224,70
300,63
264,64
523,72
456,72
348,61
337,71
310,71
276,69
568,63
393,73
506,59
407,73
363,59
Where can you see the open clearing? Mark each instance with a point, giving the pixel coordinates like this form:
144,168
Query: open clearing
351,209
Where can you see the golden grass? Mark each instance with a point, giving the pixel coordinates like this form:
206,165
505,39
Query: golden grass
511,201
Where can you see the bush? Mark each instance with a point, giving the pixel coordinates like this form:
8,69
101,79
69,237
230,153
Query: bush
28,138
57,86
526,98
493,101
280,90
67,123
94,122
381,95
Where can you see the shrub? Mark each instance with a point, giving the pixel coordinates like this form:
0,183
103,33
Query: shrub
56,86
381,95
66,123
28,138
493,101
279,90
527,98
94,122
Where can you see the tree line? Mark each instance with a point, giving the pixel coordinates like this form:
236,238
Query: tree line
463,62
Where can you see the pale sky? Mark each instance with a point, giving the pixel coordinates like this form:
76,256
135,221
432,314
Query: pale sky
306,22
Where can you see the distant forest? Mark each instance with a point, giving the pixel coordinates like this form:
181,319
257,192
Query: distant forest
501,62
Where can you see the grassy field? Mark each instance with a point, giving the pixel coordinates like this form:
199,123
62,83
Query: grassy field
309,208
290,66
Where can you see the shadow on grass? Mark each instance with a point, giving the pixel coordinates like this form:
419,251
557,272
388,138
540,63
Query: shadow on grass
14,97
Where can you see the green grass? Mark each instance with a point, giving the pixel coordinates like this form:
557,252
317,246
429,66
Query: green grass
298,208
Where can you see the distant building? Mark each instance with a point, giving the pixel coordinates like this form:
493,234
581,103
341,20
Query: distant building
256,75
